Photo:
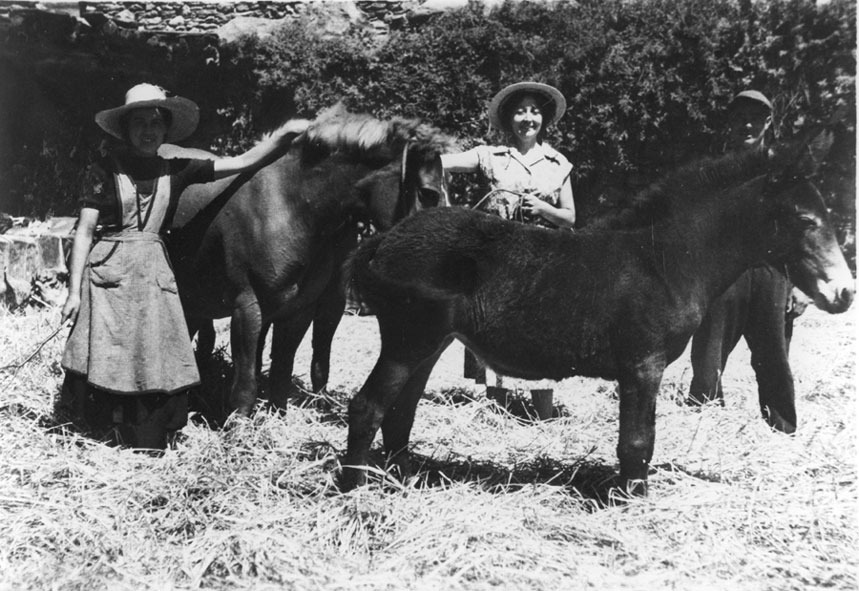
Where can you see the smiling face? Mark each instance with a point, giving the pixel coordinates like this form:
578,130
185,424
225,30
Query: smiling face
526,120
147,130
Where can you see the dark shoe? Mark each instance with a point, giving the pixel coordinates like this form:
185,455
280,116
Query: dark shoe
543,403
502,396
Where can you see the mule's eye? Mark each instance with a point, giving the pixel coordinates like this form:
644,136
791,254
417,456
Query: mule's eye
428,197
808,222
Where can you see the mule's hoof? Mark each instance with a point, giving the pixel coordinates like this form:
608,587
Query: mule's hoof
699,399
696,401
779,423
400,466
279,403
236,419
350,479
627,490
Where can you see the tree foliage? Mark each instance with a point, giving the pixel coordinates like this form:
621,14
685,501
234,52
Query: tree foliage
647,81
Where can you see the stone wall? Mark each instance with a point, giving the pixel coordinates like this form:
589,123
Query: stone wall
187,16
29,251
204,16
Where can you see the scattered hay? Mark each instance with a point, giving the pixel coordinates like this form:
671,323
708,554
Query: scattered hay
496,501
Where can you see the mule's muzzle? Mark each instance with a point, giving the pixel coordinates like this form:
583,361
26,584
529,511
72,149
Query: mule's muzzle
835,297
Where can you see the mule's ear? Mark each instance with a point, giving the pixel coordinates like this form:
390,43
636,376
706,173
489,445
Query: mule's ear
803,156
814,151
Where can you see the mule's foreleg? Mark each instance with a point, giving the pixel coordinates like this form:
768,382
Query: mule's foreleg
245,330
286,337
329,311
638,389
367,412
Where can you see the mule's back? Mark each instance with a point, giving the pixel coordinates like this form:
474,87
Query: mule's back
195,197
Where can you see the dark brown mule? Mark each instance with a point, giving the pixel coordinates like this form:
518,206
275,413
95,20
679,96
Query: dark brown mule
618,302
267,248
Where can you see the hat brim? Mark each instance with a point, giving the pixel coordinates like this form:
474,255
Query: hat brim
550,92
751,96
185,117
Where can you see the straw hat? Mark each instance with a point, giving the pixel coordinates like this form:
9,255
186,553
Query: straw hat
186,114
754,96
551,94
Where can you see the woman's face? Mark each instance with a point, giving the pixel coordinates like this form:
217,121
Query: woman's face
147,130
527,120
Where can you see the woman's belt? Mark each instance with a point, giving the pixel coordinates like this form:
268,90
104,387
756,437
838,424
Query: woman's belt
133,236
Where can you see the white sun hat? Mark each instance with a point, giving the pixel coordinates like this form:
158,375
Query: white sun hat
551,94
185,113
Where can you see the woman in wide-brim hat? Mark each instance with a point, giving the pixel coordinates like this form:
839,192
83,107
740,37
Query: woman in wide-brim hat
128,361
525,180
183,114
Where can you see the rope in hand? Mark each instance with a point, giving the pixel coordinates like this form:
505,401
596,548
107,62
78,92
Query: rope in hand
517,208
17,366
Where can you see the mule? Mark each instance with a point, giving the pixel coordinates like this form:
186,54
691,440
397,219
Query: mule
618,301
266,249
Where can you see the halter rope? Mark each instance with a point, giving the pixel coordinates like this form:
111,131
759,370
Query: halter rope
517,208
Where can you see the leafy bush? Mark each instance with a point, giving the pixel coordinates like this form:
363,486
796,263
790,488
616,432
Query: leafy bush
647,82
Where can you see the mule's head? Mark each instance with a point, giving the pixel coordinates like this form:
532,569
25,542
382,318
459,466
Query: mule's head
427,186
387,169
805,235
407,185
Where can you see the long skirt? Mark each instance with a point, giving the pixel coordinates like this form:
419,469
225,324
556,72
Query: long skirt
143,421
130,337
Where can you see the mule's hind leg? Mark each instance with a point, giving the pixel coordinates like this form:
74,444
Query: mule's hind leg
412,339
245,331
329,311
286,337
367,411
397,426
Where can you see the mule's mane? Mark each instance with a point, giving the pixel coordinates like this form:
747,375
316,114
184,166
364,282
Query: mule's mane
337,130
685,186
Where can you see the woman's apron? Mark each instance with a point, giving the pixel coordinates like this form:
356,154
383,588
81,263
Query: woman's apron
130,336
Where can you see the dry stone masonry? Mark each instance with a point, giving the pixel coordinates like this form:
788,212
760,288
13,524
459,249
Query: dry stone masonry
206,16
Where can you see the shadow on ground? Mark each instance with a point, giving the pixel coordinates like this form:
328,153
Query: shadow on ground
588,480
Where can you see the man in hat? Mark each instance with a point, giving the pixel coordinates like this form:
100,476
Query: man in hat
749,121
758,307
